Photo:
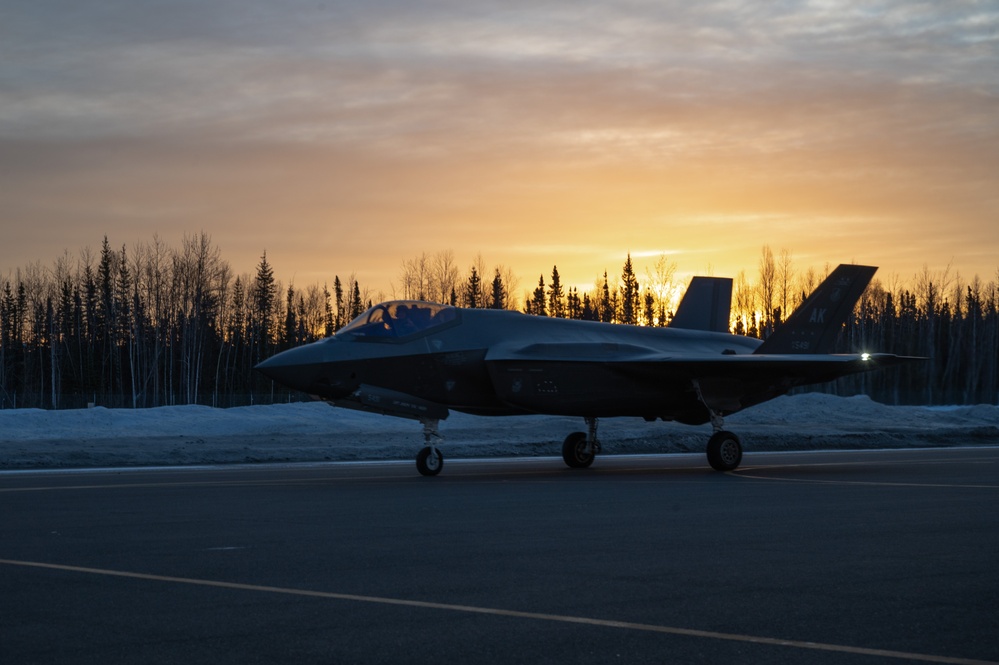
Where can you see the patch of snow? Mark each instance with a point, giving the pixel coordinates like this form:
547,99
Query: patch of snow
313,431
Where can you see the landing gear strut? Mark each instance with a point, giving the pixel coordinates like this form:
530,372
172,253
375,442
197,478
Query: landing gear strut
724,448
579,448
430,461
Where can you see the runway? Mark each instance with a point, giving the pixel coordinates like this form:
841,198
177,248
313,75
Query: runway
838,557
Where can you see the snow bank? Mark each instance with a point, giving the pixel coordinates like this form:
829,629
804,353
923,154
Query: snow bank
313,431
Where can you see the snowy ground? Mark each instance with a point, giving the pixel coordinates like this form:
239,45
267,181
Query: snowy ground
308,432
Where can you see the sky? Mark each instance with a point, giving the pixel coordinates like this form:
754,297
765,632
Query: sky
349,137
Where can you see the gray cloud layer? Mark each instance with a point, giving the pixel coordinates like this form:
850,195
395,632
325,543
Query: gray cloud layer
183,112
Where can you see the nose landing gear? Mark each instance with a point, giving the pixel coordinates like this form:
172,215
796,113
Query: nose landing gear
579,448
430,460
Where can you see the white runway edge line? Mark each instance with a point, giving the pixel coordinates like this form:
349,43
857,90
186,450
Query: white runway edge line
603,623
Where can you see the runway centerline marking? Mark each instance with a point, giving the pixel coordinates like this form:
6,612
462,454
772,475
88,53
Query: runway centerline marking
516,614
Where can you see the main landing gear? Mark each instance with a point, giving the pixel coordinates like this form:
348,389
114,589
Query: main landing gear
579,448
724,448
430,461
724,451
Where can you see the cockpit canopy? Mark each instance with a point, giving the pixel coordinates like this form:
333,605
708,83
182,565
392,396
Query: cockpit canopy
398,319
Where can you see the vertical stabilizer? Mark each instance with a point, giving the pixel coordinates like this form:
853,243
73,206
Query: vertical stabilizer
705,306
815,325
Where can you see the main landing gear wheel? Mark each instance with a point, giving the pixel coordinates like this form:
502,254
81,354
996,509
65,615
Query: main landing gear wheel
724,451
575,451
429,461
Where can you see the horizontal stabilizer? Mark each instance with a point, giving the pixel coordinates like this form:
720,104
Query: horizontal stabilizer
706,305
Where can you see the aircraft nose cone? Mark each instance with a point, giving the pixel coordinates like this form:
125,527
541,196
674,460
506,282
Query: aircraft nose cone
295,368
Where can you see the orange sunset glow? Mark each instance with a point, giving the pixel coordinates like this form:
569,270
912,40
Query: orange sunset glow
346,138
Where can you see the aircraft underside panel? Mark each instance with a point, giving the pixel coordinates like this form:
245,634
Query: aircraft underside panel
595,389
677,390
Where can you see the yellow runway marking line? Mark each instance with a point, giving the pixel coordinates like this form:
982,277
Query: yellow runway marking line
537,616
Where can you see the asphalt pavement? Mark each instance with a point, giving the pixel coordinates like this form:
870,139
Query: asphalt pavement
839,557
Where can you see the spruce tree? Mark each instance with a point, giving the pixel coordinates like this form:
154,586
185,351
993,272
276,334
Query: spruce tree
537,304
499,291
606,307
356,306
329,322
587,313
472,289
574,308
264,291
338,322
556,302
290,333
629,294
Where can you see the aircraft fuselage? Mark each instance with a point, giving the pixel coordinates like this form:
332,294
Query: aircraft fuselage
494,362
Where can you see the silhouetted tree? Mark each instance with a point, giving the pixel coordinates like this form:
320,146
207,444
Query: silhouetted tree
630,296
473,289
556,297
498,300
536,304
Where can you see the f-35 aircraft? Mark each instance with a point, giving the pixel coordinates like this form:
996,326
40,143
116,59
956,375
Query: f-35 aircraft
419,360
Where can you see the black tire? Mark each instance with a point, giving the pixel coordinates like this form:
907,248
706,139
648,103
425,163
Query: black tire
724,451
574,451
429,461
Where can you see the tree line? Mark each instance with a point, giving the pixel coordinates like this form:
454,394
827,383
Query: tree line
154,325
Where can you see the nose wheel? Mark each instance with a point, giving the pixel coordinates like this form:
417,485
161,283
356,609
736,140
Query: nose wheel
579,448
430,460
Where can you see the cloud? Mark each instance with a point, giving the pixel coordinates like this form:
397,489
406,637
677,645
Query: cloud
382,128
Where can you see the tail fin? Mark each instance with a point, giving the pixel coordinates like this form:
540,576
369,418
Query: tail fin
705,306
815,325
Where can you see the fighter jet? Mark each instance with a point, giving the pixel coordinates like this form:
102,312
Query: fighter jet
420,360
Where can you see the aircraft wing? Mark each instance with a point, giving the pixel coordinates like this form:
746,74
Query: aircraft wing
631,358
625,379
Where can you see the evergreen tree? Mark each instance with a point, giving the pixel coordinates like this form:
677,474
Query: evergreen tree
650,308
329,318
606,307
338,295
289,336
556,297
356,306
588,312
574,307
630,296
536,305
6,346
473,288
264,291
498,292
